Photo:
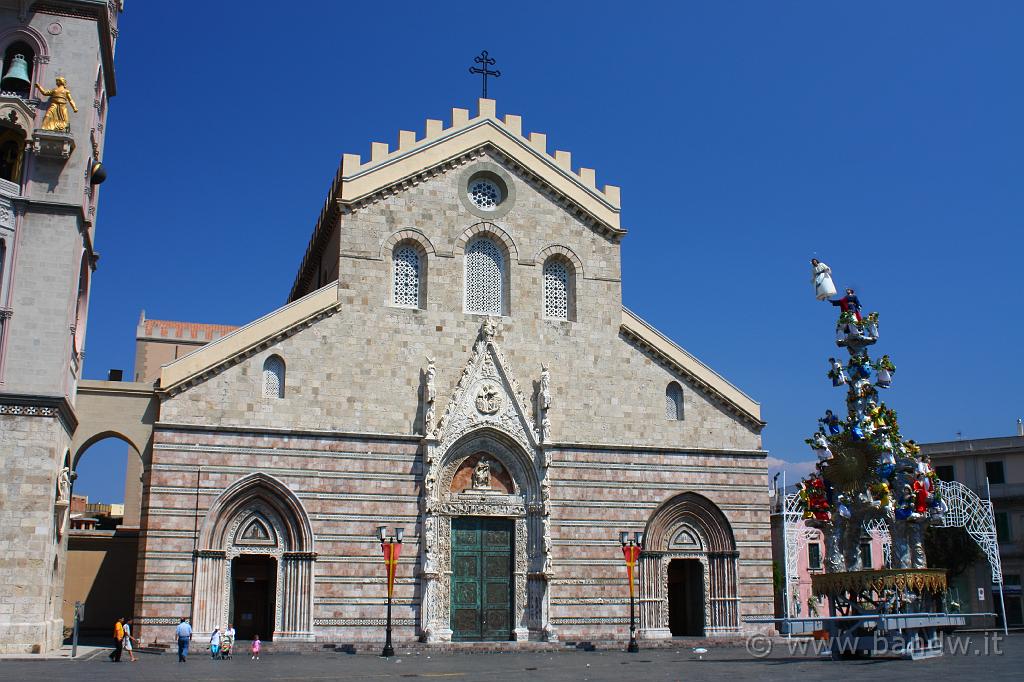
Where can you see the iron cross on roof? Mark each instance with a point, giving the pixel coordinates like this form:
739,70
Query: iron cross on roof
484,72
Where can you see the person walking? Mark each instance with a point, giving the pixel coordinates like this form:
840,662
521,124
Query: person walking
184,634
127,640
215,643
254,648
115,655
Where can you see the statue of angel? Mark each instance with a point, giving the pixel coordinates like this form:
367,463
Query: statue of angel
821,276
545,387
64,485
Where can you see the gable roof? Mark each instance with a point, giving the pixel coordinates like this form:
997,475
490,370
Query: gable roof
680,360
358,182
241,342
206,360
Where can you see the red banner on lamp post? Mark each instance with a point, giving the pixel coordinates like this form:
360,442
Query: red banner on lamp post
631,553
391,552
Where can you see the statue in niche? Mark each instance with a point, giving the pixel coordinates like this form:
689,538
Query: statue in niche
64,485
547,543
428,543
428,413
482,475
56,117
545,387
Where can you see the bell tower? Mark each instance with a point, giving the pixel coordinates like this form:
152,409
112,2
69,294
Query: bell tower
56,77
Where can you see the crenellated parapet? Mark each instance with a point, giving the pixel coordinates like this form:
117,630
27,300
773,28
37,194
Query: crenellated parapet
415,158
381,153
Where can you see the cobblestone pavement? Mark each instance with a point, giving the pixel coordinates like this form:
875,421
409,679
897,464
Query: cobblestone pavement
978,656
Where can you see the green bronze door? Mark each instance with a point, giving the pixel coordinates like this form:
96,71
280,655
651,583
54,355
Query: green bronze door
481,578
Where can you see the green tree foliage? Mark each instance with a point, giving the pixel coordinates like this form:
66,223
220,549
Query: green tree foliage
952,549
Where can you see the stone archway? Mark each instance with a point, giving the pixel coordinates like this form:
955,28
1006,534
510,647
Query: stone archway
513,492
258,516
689,526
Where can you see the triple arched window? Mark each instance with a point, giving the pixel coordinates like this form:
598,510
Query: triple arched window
485,277
405,276
273,377
674,402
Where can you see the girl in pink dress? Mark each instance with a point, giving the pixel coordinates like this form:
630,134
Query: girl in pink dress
255,648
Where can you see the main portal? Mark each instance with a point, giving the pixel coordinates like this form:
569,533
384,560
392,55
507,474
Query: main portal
481,595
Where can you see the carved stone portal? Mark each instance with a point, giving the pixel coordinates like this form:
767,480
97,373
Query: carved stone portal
258,515
689,526
484,459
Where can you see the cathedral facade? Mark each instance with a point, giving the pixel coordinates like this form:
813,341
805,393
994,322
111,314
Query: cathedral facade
454,360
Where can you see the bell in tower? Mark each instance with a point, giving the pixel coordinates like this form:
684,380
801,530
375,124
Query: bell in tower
16,79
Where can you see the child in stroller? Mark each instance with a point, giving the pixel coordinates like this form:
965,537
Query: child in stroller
227,642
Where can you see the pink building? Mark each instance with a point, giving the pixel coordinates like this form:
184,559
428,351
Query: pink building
808,558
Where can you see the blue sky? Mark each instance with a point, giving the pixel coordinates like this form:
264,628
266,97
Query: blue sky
883,137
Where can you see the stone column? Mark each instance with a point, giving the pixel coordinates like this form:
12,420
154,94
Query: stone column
296,596
652,597
721,568
210,599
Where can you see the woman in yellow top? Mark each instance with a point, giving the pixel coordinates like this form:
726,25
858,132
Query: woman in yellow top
57,113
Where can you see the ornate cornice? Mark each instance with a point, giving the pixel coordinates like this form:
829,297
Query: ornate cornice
27,405
210,553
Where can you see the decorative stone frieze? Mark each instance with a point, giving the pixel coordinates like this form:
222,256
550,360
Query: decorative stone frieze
51,144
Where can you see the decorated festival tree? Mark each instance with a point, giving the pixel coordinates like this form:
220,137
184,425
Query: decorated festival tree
866,472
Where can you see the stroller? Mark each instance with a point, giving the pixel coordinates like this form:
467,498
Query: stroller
227,642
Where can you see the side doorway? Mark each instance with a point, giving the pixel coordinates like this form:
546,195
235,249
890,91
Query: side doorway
686,598
253,596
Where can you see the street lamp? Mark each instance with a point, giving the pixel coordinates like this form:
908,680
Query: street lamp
392,547
631,552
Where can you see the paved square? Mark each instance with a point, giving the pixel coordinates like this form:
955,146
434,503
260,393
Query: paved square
732,663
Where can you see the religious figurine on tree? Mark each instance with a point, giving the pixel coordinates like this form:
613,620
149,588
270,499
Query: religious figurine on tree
838,373
866,470
821,277
848,304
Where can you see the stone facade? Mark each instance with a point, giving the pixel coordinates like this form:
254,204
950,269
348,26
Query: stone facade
382,412
47,222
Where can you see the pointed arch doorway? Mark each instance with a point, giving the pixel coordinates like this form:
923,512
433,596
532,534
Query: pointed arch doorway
254,563
483,527
686,597
688,579
253,595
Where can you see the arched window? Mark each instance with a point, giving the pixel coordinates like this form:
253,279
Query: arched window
558,289
273,377
674,402
406,276
12,147
19,60
485,277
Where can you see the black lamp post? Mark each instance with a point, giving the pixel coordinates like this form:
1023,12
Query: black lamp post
392,548
631,552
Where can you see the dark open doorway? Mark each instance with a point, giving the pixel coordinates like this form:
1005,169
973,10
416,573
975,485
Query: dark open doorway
254,585
686,598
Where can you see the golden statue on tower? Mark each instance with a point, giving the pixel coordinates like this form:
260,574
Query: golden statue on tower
56,117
